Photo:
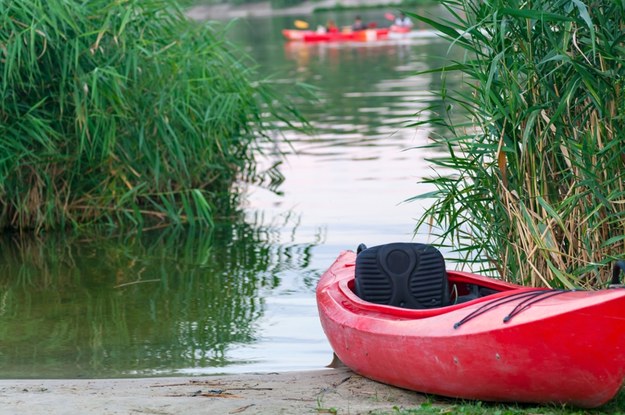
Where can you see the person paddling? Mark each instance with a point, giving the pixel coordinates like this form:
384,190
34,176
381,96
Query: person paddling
402,21
331,27
358,24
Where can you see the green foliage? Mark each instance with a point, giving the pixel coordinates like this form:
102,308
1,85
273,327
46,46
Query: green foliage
533,178
451,406
121,112
280,4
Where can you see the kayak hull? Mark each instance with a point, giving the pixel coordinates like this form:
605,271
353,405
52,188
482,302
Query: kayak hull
566,348
354,36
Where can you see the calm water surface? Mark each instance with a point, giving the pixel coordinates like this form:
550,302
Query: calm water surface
239,299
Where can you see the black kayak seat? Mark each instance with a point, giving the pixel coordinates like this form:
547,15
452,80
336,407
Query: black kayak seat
407,275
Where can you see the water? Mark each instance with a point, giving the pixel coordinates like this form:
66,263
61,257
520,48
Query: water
240,299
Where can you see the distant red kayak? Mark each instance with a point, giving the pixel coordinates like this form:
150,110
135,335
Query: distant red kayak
509,343
358,36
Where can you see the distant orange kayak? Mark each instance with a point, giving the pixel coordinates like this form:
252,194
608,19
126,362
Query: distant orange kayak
477,337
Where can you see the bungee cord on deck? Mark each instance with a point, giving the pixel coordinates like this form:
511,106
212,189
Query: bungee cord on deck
528,299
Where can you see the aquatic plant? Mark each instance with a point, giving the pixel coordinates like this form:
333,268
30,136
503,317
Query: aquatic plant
122,113
532,182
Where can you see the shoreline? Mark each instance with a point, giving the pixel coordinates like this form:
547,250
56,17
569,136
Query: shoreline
264,9
320,391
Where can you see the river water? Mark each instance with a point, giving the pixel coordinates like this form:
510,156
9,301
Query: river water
241,299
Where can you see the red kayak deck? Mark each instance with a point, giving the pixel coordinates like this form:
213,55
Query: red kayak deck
517,345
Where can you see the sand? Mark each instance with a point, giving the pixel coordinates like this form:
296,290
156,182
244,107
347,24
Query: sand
327,391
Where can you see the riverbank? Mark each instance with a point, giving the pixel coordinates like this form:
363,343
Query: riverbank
336,391
263,9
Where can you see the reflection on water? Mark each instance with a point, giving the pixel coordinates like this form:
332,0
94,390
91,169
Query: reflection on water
157,304
242,298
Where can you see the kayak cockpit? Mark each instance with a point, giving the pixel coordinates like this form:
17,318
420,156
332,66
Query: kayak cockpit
411,280
351,301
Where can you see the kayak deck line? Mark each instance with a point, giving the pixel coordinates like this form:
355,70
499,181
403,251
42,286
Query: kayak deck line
529,298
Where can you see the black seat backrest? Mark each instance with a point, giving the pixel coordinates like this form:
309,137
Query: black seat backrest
409,275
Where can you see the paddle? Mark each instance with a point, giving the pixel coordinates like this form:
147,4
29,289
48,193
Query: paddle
389,16
300,24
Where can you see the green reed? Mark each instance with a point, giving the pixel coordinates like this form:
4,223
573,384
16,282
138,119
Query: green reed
532,181
122,113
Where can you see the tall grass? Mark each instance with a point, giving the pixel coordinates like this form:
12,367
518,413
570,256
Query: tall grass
533,179
121,113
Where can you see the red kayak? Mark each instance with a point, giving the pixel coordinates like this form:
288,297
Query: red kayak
357,36
468,336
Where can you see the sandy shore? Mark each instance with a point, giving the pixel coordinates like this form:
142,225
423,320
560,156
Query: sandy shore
316,392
